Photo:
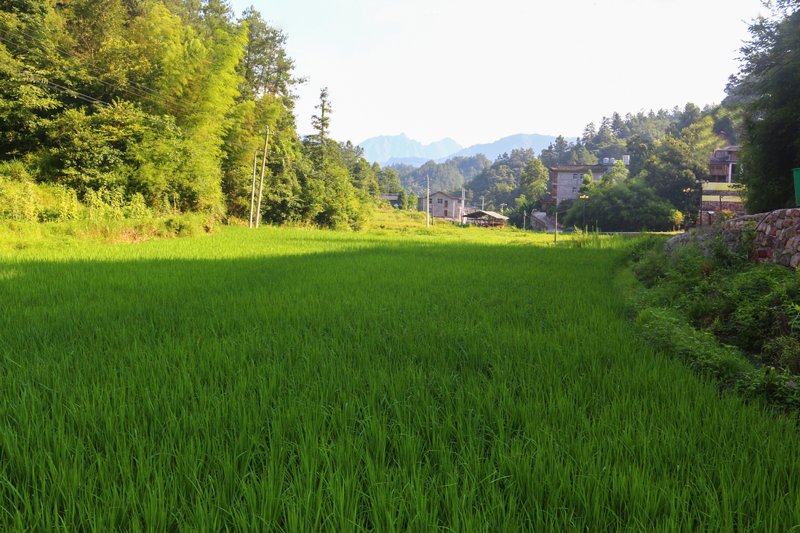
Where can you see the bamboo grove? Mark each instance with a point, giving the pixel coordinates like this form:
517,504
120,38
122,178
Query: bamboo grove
161,105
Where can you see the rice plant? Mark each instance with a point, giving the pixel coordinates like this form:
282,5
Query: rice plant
301,380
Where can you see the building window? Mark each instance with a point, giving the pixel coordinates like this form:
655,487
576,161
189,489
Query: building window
445,203
439,201
445,213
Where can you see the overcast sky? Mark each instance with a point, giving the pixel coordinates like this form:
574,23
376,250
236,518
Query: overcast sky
477,71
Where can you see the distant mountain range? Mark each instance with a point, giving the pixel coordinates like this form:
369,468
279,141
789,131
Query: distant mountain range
506,144
397,149
384,148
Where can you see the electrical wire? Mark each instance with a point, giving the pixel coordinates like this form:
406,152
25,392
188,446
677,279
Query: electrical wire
134,89
88,98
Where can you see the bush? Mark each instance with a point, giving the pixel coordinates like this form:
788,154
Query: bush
783,352
22,199
179,227
667,330
18,200
754,307
651,267
137,207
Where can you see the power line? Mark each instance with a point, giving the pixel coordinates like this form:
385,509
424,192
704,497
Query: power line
94,100
135,89
35,78
129,92
97,101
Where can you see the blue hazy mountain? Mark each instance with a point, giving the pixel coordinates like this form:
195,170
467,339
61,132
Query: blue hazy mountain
393,149
387,147
413,161
506,144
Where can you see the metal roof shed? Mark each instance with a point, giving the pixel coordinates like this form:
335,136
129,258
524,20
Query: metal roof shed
487,218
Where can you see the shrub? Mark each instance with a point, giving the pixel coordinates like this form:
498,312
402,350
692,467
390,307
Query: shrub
18,200
783,352
651,267
754,307
136,207
667,330
179,227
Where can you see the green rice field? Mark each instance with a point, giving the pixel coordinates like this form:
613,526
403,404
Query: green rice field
389,380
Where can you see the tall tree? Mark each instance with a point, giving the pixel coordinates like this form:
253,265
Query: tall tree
534,180
768,88
321,123
266,67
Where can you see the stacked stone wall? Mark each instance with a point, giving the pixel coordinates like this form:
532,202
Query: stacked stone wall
775,235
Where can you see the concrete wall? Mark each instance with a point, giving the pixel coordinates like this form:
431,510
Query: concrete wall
569,183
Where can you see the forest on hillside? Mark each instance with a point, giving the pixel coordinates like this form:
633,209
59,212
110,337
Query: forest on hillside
669,149
669,152
161,106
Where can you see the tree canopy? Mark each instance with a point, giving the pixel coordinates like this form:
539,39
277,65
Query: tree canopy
168,101
767,87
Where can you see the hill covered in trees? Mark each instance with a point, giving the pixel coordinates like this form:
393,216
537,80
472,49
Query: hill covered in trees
669,149
163,105
669,152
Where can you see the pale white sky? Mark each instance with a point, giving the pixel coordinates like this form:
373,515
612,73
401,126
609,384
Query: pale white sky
477,71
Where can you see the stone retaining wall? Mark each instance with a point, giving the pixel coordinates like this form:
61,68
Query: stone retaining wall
777,236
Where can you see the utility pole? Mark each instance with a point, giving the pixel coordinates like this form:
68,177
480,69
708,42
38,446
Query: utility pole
555,237
428,203
461,213
524,214
483,202
261,185
253,188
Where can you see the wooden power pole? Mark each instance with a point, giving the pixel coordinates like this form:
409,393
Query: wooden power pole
555,237
253,188
261,185
463,206
428,202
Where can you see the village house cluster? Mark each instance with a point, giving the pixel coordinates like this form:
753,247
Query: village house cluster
720,194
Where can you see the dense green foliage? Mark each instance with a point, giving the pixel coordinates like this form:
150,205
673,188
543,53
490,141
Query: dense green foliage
449,176
753,307
660,190
668,330
301,380
502,182
669,153
165,101
768,89
625,207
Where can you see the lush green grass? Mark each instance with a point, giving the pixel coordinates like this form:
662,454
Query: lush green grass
304,380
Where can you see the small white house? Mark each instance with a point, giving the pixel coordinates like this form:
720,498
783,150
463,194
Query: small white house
442,205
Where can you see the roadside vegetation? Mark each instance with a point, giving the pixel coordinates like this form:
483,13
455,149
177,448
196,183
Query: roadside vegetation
299,379
728,317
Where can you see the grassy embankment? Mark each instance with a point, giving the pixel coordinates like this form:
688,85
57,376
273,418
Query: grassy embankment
396,379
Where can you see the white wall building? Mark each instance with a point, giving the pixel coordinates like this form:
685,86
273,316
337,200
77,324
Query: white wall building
444,206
